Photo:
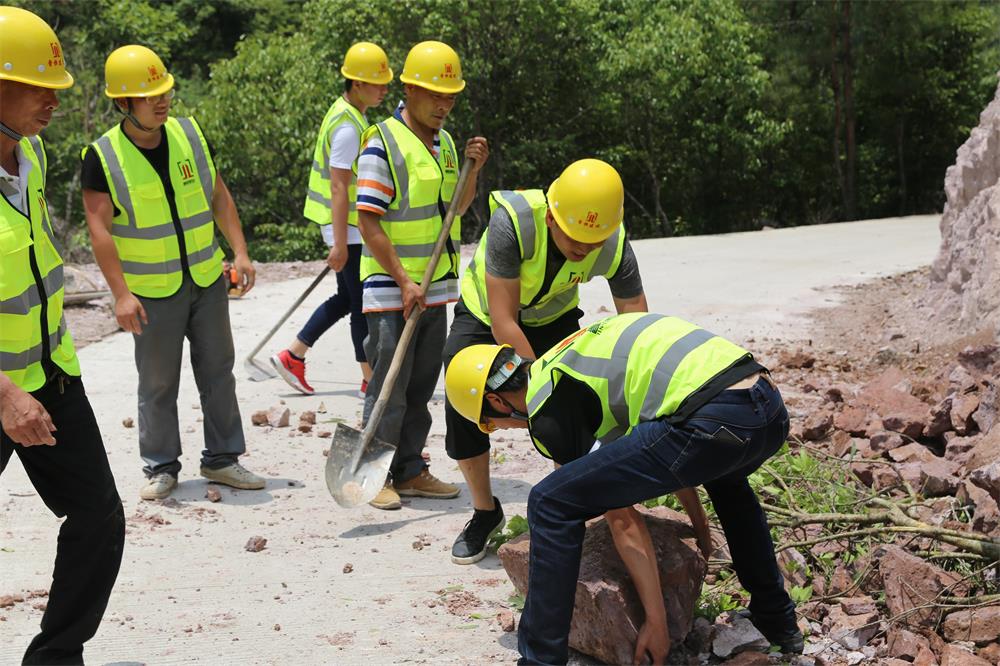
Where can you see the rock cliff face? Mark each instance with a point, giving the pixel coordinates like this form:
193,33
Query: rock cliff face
965,277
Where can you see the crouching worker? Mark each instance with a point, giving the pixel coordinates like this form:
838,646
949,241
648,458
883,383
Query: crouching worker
633,407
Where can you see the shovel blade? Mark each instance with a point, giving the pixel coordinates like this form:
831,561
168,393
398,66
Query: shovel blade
257,371
351,488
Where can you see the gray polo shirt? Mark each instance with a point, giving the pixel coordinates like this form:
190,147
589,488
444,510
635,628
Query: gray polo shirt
503,258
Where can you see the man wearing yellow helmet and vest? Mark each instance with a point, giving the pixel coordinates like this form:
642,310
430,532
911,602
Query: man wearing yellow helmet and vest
45,416
407,173
522,289
633,407
331,204
153,197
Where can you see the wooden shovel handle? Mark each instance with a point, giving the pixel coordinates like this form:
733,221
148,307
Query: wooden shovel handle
411,324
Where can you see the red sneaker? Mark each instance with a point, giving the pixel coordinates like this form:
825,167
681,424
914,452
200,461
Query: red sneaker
364,389
292,370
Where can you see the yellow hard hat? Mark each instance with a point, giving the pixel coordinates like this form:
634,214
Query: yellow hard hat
135,71
30,51
587,200
435,66
366,62
465,380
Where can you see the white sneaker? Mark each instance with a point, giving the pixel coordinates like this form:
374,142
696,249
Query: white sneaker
234,476
159,486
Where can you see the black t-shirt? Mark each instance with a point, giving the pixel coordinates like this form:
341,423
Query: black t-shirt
567,421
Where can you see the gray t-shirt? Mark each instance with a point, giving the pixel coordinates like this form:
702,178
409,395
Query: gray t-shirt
503,258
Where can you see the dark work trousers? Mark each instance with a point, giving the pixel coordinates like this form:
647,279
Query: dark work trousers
654,459
407,417
74,480
346,301
464,439
200,314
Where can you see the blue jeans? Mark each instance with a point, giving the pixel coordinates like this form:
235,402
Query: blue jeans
654,459
346,301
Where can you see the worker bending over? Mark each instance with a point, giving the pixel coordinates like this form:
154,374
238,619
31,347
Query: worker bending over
660,404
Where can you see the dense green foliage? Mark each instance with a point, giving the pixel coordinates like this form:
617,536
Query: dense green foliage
722,115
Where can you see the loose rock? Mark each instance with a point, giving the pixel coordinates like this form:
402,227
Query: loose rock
255,544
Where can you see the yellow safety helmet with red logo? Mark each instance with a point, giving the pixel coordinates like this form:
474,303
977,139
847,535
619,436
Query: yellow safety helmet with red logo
466,377
434,66
30,52
368,63
135,71
587,200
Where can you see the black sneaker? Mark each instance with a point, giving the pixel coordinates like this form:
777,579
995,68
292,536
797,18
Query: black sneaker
788,639
472,543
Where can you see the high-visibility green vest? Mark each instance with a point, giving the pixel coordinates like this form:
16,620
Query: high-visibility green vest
318,204
527,210
32,325
143,230
641,367
423,189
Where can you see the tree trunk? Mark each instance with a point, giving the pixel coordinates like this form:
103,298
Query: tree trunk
900,133
850,120
835,85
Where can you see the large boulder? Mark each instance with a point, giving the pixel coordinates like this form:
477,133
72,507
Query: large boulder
911,583
608,613
965,276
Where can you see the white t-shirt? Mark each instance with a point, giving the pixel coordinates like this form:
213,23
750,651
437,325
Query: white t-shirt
345,142
13,186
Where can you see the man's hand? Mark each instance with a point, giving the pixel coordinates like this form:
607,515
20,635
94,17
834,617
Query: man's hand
24,419
130,314
477,149
337,258
412,296
245,272
654,638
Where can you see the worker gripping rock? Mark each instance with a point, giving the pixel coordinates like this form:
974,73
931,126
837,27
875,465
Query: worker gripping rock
522,289
331,202
407,174
45,416
153,198
633,407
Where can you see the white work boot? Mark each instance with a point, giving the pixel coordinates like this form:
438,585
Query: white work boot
234,476
159,486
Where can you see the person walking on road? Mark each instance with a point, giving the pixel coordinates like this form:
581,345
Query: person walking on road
522,289
633,407
152,197
331,202
407,174
45,416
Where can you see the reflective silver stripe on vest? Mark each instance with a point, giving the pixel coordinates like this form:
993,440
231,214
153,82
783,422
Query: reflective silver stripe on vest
161,231
525,221
167,267
319,198
30,297
12,361
36,145
405,251
667,366
613,369
551,307
200,159
118,181
389,297
607,254
484,305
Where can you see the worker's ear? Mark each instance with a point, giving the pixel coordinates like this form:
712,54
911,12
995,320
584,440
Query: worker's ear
496,404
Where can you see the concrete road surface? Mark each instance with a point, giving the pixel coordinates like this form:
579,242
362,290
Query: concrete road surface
189,591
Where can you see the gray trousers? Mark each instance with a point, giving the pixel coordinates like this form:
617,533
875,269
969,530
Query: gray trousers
202,316
407,418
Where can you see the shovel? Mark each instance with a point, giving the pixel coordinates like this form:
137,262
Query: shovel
358,463
256,370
